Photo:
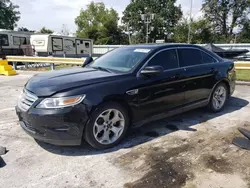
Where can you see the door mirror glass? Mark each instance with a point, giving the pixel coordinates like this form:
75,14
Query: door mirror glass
87,61
152,70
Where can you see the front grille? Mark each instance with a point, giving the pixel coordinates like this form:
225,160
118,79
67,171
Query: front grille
26,100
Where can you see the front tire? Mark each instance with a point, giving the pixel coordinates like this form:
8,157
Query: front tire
107,126
218,98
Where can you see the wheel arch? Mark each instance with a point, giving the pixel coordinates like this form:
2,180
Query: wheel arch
120,101
225,81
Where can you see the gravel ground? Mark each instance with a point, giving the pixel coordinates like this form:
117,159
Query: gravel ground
191,150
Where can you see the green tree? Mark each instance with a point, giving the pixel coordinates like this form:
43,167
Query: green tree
200,32
24,29
99,23
9,15
244,35
44,30
167,15
226,15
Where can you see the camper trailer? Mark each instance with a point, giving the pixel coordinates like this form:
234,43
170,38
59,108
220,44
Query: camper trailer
61,46
14,42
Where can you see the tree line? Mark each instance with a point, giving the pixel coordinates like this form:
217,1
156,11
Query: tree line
223,21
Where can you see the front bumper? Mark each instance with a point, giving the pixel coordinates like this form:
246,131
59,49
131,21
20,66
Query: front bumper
55,126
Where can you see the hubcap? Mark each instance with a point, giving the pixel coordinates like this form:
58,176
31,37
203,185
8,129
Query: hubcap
109,126
219,97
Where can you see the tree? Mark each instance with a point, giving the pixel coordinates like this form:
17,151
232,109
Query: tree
25,29
200,32
44,30
166,17
226,15
98,23
9,16
244,35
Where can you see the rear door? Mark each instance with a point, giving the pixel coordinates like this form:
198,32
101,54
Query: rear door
199,73
160,93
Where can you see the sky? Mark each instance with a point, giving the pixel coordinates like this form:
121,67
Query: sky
52,14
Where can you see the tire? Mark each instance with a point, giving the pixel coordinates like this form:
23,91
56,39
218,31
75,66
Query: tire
219,94
100,130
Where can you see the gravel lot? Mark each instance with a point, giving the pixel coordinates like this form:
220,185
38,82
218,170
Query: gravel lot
189,150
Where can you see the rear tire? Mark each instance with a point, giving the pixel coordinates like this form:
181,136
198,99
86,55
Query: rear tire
107,126
218,98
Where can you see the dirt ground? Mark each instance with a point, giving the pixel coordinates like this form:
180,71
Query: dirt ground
192,150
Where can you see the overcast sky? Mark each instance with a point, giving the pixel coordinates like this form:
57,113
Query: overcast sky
54,13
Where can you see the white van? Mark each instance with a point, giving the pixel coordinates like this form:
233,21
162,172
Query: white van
61,46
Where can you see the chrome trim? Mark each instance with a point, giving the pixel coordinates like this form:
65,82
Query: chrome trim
26,100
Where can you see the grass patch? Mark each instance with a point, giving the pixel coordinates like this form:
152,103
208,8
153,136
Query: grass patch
243,75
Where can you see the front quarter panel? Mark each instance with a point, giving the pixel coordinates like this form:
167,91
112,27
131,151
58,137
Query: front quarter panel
115,90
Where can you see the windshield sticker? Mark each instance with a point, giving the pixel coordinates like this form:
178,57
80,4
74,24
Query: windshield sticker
142,50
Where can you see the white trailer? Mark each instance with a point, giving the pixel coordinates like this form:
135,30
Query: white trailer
14,42
61,46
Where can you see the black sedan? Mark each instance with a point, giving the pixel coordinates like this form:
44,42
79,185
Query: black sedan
125,87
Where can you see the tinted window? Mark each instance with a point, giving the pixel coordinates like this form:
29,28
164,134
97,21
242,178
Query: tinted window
189,57
167,59
207,58
4,41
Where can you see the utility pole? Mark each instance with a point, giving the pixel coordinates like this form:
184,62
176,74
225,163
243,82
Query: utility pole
129,37
190,20
147,19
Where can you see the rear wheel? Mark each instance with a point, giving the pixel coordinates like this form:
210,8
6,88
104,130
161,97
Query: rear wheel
107,126
218,98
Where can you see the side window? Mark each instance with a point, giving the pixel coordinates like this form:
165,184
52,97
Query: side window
207,58
57,44
16,40
19,40
4,40
189,57
86,45
167,59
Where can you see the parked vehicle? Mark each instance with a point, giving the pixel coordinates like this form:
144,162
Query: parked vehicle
14,42
61,46
125,87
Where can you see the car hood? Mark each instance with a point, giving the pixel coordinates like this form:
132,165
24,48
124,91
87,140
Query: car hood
49,83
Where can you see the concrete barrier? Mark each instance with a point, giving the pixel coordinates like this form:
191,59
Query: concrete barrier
6,69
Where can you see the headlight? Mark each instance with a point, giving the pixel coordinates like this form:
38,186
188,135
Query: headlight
60,102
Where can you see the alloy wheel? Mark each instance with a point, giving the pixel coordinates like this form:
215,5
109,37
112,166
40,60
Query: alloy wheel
109,126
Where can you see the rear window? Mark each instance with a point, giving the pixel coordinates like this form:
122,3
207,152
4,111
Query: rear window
189,57
207,58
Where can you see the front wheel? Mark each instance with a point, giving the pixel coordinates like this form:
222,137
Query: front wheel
218,98
107,126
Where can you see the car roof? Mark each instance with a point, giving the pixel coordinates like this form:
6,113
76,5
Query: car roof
162,45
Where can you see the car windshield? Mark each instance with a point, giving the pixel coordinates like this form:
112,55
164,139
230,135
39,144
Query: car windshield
121,59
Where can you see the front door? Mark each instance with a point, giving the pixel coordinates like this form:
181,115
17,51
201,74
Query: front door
164,92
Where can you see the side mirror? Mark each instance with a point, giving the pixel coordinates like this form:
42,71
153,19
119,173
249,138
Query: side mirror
87,61
152,70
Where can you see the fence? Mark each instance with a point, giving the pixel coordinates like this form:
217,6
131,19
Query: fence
102,49
98,50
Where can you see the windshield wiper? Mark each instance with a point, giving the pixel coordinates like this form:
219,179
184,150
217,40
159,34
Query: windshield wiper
102,68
